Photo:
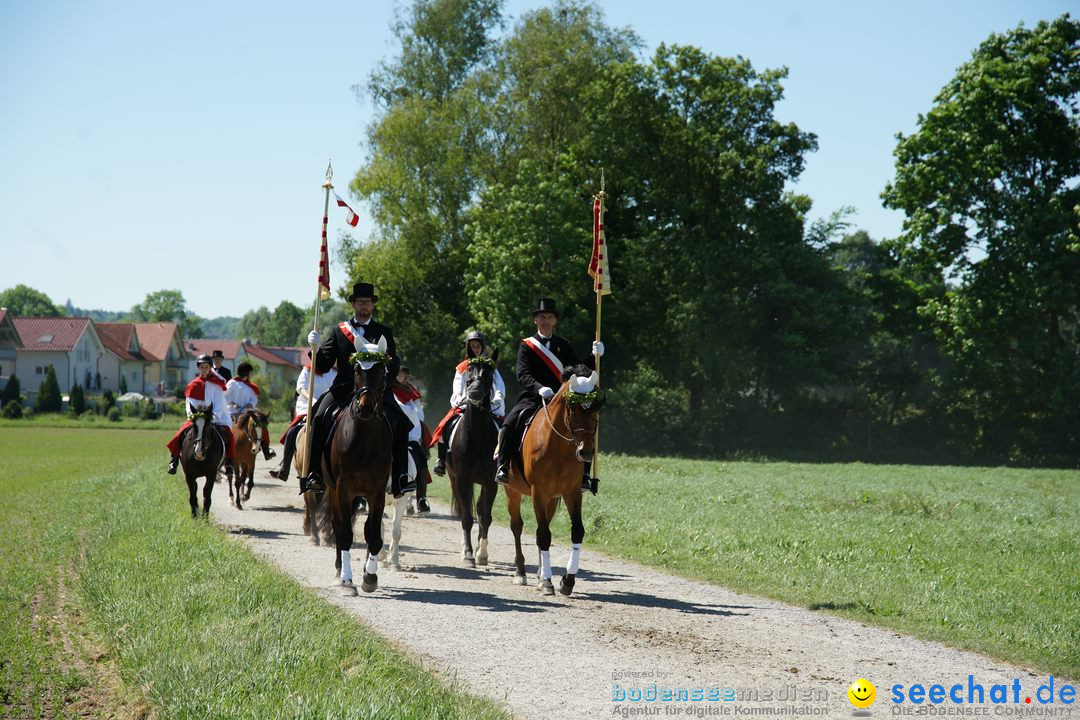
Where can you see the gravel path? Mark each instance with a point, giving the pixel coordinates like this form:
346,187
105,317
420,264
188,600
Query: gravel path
626,626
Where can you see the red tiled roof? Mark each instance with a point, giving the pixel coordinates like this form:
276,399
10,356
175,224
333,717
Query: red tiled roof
229,348
261,353
57,334
155,338
116,337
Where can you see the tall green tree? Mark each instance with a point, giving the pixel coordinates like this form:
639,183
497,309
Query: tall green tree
285,325
421,174
12,391
48,397
990,185
255,324
168,306
25,301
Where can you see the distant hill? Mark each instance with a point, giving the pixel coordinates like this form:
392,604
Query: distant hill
219,328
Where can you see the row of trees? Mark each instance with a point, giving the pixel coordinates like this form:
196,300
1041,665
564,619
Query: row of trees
736,325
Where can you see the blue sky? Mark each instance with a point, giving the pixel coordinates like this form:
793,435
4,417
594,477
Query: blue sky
147,146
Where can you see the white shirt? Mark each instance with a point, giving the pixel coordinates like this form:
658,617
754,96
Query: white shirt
322,384
214,396
459,398
414,410
239,396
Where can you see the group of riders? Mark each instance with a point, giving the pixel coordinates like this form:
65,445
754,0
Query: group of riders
539,358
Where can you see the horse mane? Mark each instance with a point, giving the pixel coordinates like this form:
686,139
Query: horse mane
580,370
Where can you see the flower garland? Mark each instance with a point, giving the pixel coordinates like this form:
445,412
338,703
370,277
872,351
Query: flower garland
482,360
373,357
584,399
206,414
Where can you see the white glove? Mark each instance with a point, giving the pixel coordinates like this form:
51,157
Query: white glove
598,348
547,393
314,339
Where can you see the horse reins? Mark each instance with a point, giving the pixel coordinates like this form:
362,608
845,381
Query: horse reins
552,424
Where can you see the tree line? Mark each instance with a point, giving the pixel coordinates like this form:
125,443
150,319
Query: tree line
736,326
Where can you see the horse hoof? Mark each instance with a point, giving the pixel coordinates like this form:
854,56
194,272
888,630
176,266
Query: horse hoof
348,589
468,562
481,559
396,567
370,582
520,580
567,585
546,587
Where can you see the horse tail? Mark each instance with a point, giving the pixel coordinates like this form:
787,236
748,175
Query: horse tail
323,524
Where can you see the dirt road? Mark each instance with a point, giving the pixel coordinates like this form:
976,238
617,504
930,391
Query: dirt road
626,627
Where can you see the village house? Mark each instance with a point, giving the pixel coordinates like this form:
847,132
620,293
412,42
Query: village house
277,365
162,345
9,343
123,357
71,345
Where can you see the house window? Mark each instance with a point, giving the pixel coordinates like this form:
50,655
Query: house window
39,370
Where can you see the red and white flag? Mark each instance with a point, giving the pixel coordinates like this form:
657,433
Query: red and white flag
598,265
324,268
353,218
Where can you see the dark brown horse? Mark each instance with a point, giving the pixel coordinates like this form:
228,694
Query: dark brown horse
247,430
359,466
560,438
471,460
201,452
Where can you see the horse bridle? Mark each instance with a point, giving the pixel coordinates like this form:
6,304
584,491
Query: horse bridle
252,440
358,393
485,403
551,424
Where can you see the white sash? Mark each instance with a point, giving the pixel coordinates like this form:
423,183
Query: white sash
545,354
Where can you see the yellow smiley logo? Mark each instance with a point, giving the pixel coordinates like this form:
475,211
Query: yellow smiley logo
862,693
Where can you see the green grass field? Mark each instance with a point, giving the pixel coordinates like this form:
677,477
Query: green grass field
116,603
984,559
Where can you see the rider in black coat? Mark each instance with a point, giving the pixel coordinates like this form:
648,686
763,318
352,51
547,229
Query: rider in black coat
336,350
540,360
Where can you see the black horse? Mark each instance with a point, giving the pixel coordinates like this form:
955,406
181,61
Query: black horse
471,460
202,451
358,466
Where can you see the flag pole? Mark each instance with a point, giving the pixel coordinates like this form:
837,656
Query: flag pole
599,304
327,186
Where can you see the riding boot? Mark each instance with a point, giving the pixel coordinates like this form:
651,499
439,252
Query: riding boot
267,452
173,462
281,472
440,464
587,481
502,474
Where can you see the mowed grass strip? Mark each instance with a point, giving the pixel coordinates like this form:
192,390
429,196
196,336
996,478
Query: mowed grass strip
984,559
194,623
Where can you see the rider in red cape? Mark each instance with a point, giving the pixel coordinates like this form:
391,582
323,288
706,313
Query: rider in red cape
241,394
474,347
207,389
335,351
540,361
409,399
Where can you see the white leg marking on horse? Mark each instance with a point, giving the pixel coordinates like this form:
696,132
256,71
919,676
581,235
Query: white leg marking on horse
575,559
372,566
545,564
346,567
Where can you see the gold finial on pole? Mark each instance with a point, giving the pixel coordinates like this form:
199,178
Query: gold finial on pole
330,175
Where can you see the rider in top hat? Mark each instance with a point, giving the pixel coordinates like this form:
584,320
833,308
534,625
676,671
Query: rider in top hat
540,361
474,347
208,389
336,350
224,372
241,394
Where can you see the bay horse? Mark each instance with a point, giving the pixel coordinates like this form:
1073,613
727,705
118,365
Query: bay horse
247,430
318,535
560,437
202,451
358,465
470,460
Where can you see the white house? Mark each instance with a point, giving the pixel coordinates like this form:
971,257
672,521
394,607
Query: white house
71,345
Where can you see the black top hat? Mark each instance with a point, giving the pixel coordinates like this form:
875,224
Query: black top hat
204,358
362,290
218,353
546,305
